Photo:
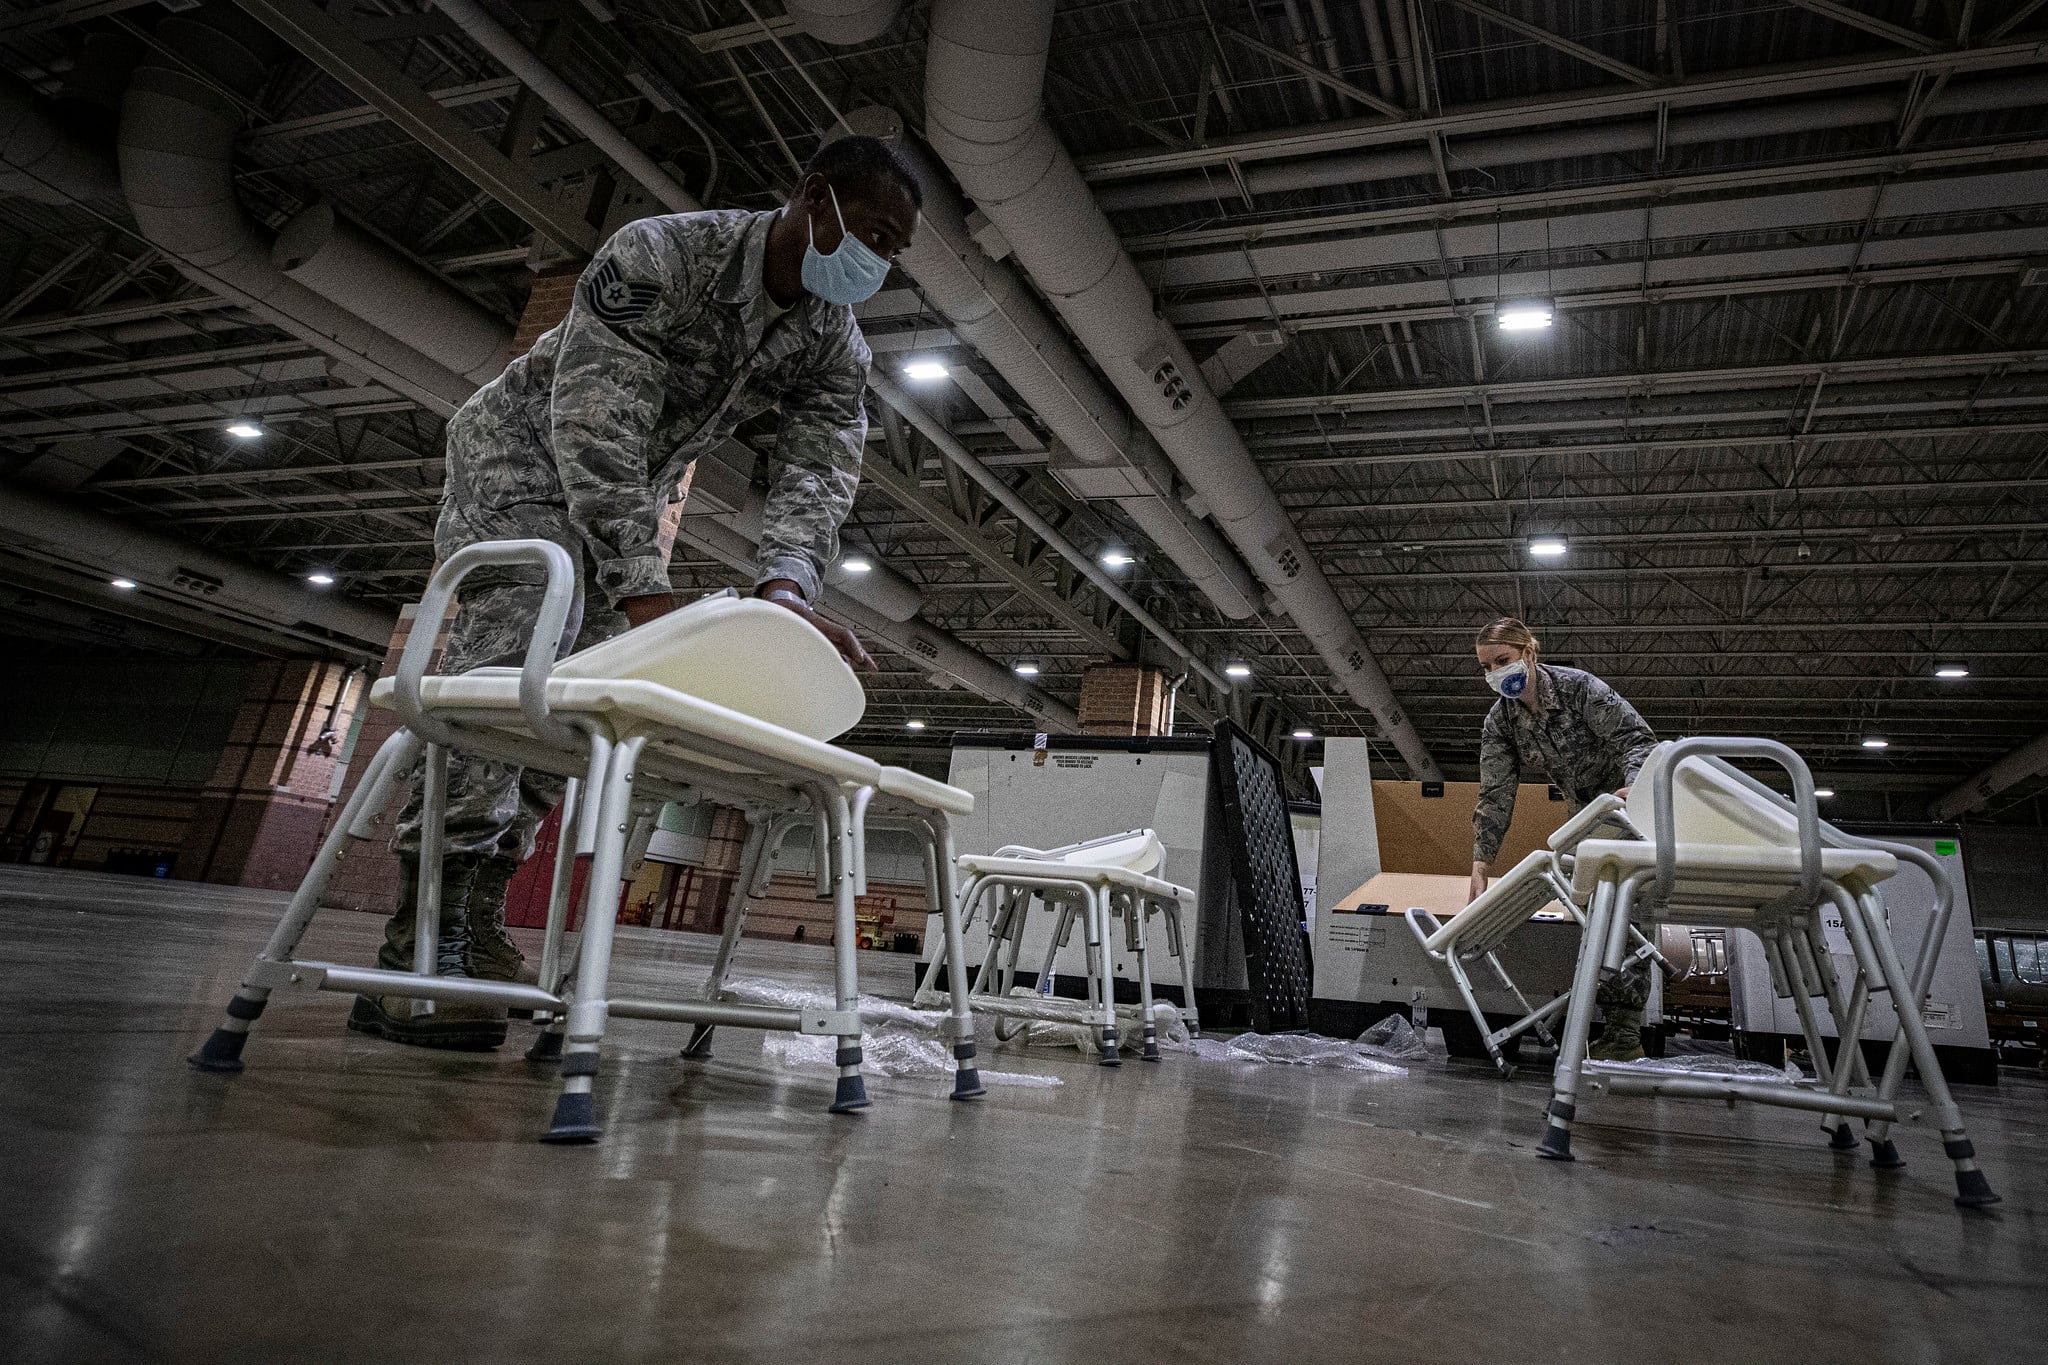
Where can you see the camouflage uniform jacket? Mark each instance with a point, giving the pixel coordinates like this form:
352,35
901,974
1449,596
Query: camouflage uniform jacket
667,346
1581,733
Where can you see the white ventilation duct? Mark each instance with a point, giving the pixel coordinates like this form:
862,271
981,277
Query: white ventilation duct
2029,760
176,143
843,21
342,263
1552,144
45,162
992,309
105,547
984,75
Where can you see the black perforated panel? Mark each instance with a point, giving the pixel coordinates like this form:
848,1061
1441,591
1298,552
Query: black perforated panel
1265,880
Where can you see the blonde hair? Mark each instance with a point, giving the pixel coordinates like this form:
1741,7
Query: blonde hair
1510,631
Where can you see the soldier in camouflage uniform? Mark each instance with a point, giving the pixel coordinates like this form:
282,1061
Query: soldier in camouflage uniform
1587,740
681,328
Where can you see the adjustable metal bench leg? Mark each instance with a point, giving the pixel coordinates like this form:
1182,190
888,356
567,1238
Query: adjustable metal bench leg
966,1075
1176,943
1867,918
1459,975
1101,971
575,1117
222,1051
851,1093
1578,1023
1542,1029
752,850
1137,909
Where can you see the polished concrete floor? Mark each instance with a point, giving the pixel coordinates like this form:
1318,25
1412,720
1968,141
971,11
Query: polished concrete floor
349,1200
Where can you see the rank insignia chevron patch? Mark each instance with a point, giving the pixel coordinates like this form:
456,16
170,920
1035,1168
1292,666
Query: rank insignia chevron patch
614,298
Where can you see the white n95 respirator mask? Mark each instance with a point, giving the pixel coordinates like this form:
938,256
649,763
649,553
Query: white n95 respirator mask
1510,680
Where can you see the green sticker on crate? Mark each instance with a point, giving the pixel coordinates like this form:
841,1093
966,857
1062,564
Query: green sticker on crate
1945,847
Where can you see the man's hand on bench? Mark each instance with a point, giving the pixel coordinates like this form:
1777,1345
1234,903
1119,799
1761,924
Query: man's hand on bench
784,593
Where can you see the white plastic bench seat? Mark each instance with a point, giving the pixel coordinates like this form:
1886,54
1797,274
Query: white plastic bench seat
725,700
924,791
1093,874
737,652
1604,817
1138,850
667,717
1773,869
1512,901
1719,847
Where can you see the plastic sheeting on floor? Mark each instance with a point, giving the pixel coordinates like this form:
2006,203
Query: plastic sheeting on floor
1295,1049
887,1051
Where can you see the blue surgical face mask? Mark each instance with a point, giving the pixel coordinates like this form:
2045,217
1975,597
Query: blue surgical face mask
850,275
1510,680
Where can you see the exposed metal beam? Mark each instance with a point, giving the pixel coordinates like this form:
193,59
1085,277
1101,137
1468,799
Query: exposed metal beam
362,115
1312,72
1660,189
1869,23
374,79
1773,83
1614,66
1682,381
976,541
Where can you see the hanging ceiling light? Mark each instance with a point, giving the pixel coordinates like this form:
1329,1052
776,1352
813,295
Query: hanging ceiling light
1529,315
245,431
857,564
1237,670
1548,547
925,371
1952,671
1024,670
320,580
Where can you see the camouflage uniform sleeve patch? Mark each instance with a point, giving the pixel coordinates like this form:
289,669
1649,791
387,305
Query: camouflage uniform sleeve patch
614,298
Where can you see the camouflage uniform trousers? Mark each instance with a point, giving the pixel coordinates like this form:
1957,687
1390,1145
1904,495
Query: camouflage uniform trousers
494,807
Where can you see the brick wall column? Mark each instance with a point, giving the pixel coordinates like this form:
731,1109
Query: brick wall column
1123,699
260,816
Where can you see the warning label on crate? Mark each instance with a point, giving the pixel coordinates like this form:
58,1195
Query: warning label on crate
1356,935
1073,760
1940,1014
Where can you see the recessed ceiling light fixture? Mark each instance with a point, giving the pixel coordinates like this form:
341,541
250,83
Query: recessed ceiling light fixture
857,564
913,725
925,371
1877,743
1952,671
124,584
1548,547
1237,670
320,580
1527,315
1116,559
1024,670
246,431
1823,793
1304,734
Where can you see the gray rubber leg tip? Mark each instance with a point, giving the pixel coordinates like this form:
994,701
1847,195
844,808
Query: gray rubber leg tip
700,1042
547,1047
575,1121
851,1096
1841,1139
1973,1191
220,1054
1556,1145
967,1084
1112,1049
1884,1155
